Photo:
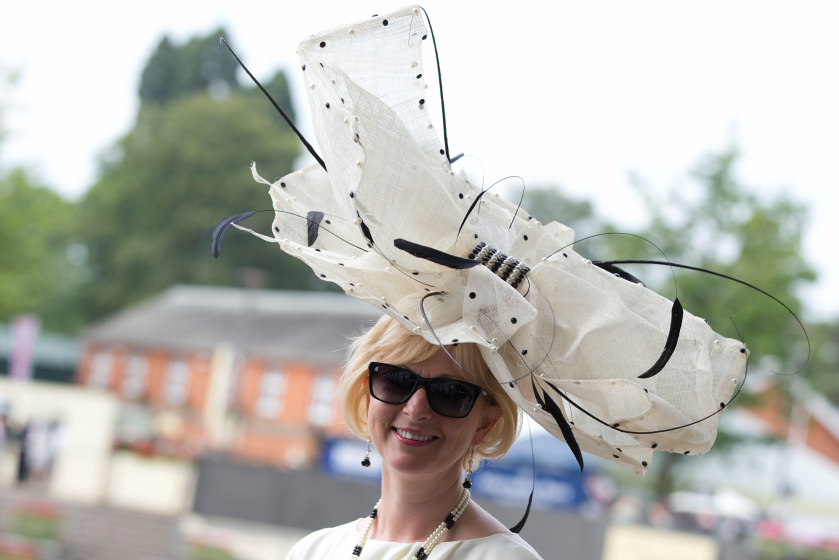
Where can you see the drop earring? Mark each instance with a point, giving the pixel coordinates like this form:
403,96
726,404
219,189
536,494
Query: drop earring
366,461
467,483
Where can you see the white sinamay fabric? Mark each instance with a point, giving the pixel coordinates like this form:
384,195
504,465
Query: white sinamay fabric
581,328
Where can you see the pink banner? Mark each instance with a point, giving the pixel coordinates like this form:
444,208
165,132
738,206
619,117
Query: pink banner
24,332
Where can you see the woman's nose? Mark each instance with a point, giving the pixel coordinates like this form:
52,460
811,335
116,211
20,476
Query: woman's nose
417,406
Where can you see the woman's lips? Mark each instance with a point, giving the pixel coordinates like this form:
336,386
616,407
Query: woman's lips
411,438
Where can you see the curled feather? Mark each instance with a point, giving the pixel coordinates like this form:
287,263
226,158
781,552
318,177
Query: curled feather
222,228
567,433
676,315
434,255
313,218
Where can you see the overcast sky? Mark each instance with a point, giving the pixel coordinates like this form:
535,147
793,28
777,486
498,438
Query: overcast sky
576,94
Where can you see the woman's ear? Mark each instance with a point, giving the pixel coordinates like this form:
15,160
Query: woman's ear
491,415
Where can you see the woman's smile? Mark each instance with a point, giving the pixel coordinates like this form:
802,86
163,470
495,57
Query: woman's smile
412,438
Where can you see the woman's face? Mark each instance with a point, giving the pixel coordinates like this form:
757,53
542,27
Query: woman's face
412,439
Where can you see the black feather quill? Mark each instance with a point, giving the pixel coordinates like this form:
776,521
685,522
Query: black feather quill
676,315
617,271
223,227
434,255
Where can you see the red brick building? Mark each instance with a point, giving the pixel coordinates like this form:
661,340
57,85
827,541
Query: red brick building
250,372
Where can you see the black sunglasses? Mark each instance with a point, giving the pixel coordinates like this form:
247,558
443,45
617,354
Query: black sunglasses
447,397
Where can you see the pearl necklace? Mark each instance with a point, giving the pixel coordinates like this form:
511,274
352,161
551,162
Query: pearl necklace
431,541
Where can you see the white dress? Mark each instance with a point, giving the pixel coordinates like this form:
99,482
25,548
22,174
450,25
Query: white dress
338,542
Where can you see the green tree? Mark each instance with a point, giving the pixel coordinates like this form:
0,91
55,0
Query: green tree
40,264
200,65
181,169
184,167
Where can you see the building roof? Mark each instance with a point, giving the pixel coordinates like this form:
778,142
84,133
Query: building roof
310,326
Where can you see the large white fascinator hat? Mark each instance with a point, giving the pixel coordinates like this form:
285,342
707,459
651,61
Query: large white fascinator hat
596,358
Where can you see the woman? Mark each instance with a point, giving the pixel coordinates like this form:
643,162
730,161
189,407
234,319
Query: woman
424,451
585,349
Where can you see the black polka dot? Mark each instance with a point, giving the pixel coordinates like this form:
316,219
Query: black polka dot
454,340
282,185
384,22
615,425
419,76
340,264
276,228
427,290
321,64
406,317
511,384
615,456
525,238
687,452
524,352
476,236
424,37
460,195
327,221
442,151
323,275
514,320
645,390
472,295
643,463
385,306
322,44
327,105
304,67
655,445
342,100
416,273
317,250
722,405
422,101
352,194
619,449
565,255
530,217
742,350
351,284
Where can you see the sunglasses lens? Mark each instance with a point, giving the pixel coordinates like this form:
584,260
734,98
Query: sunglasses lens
390,384
451,398
447,397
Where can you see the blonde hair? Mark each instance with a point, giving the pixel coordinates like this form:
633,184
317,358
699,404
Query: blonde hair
388,341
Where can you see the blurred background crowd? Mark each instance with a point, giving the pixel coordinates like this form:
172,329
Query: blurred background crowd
158,404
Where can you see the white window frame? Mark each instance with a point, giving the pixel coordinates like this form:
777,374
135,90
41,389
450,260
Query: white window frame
322,402
136,377
176,390
101,369
272,392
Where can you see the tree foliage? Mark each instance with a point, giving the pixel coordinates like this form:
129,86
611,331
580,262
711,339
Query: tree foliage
184,167
181,169
198,66
39,262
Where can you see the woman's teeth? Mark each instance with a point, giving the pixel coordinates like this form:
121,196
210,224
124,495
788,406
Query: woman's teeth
414,437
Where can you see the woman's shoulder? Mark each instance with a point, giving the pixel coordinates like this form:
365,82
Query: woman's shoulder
501,546
323,542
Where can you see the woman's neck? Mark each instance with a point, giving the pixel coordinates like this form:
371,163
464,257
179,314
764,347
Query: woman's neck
411,508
